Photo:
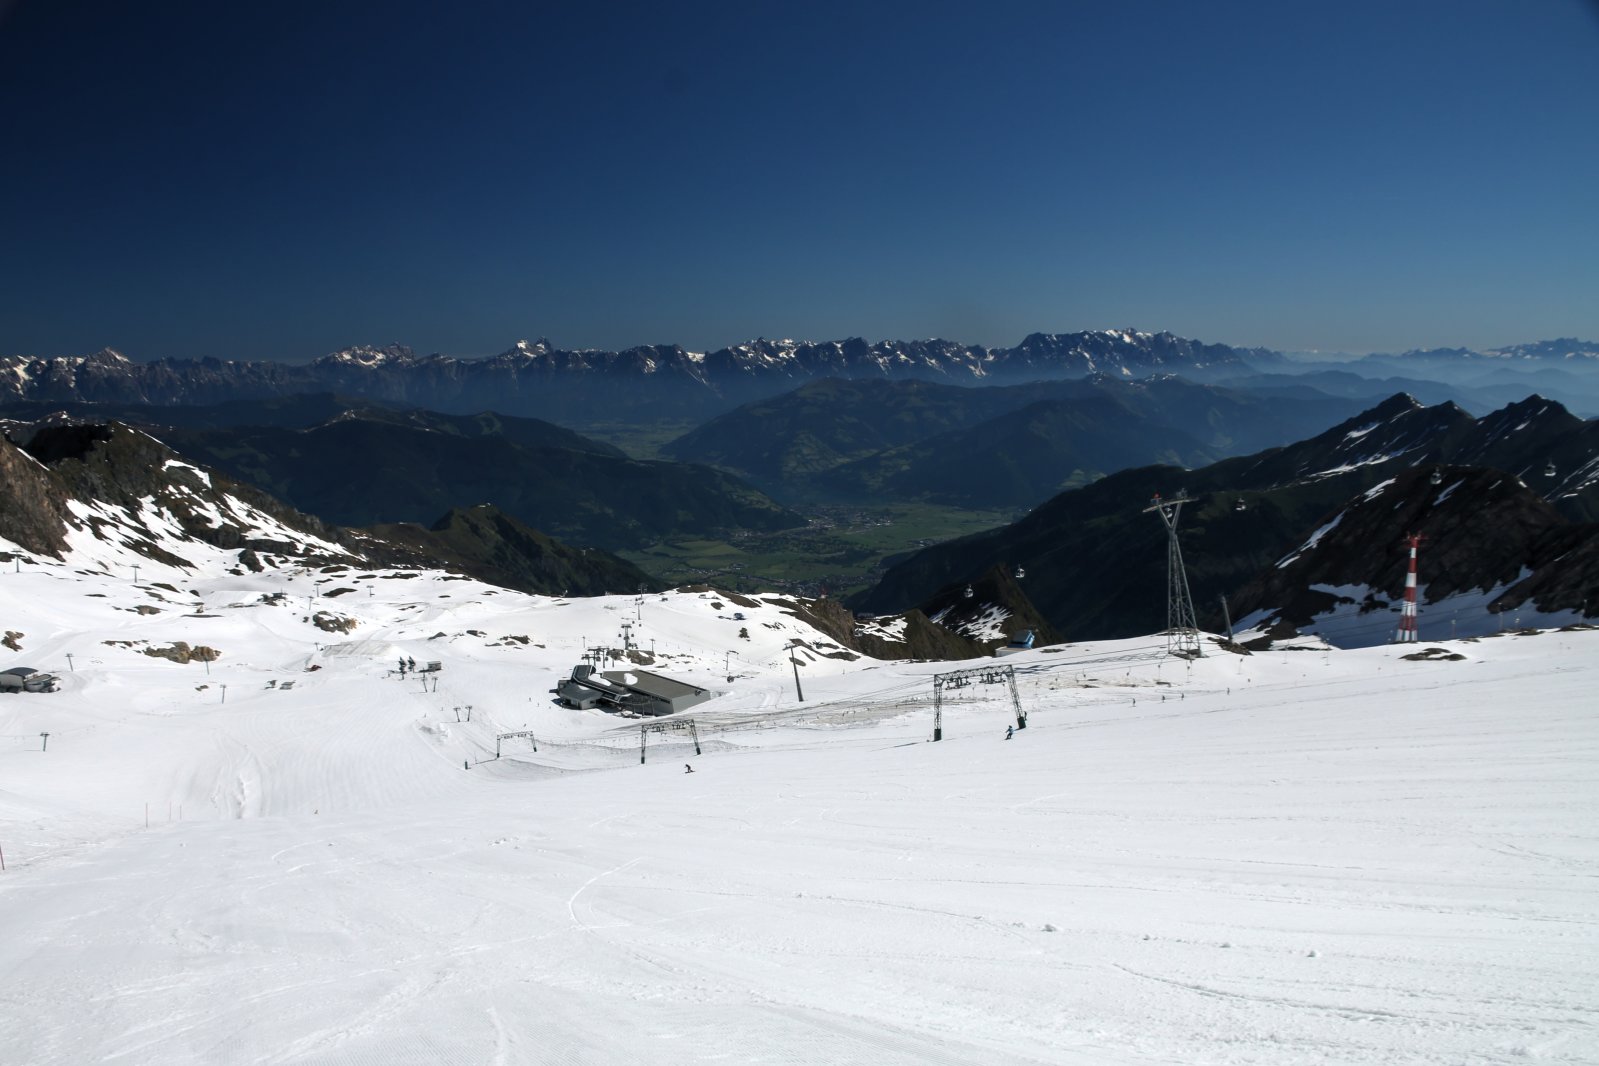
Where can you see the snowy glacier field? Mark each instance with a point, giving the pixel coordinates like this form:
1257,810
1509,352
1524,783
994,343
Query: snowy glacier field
1298,856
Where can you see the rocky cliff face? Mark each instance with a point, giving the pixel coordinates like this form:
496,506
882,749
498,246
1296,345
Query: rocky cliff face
1484,534
122,470
35,516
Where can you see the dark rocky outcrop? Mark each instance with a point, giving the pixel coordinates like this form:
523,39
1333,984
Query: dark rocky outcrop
1481,530
494,547
35,516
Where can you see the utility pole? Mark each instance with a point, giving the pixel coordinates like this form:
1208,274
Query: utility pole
45,746
1182,632
70,667
794,659
1227,616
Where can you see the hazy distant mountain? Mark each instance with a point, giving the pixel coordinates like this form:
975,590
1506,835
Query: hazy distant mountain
359,470
573,387
824,424
1095,561
1004,446
1480,380
1564,352
302,412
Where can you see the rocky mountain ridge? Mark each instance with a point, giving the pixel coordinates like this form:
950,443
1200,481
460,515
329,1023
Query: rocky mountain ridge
1490,548
1096,562
540,379
109,492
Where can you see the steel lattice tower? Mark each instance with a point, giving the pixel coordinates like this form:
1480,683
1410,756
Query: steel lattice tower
1407,612
1182,631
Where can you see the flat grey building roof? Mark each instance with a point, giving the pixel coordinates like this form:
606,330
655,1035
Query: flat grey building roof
654,684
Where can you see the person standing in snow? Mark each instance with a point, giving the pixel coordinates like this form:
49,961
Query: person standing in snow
687,769
1009,731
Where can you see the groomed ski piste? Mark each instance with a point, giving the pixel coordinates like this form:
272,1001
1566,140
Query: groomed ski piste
1296,856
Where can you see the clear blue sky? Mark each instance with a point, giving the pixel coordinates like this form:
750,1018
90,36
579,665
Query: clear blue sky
278,180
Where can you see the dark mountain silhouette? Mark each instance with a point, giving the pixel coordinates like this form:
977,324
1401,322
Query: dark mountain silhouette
302,412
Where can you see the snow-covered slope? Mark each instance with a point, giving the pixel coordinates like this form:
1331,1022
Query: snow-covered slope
293,854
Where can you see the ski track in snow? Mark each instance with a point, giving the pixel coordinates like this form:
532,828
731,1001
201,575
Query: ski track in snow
1293,857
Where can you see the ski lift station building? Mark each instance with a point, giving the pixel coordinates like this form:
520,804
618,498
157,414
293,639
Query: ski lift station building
1022,641
638,691
26,679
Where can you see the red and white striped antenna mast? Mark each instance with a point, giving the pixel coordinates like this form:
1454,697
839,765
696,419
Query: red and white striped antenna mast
1407,633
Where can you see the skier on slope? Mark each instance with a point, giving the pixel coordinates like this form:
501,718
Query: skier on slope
1009,731
688,769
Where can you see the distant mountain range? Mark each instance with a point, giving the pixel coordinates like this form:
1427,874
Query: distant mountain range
1096,564
1562,351
536,378
667,382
